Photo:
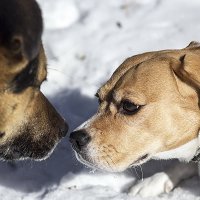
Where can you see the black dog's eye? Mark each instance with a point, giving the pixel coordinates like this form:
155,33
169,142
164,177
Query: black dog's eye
129,108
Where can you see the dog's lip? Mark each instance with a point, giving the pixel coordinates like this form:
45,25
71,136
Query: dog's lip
84,159
141,160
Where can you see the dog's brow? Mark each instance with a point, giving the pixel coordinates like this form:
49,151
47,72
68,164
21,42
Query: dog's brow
137,66
115,97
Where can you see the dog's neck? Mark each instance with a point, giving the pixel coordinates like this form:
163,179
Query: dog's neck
187,152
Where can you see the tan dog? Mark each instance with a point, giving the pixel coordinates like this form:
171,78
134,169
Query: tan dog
29,125
148,109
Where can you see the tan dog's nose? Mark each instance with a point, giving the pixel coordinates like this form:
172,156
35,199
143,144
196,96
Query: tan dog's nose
79,139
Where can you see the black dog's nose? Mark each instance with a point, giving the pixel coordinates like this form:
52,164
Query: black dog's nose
79,139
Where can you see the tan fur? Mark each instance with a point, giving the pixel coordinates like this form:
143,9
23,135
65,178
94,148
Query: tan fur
165,83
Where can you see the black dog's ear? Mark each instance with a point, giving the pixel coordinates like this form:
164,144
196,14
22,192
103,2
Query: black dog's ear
20,27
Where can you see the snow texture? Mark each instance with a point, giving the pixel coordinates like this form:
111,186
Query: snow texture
85,42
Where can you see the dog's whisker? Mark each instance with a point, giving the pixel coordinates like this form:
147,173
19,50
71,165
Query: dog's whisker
109,165
135,169
61,73
142,174
112,160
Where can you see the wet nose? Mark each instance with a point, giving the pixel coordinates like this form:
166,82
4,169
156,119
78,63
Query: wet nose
64,130
79,139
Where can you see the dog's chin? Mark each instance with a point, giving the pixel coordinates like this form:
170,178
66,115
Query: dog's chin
90,163
21,149
10,154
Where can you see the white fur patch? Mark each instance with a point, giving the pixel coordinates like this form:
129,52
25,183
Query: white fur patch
184,153
157,184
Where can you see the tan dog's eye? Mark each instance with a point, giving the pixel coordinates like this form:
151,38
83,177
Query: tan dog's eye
129,108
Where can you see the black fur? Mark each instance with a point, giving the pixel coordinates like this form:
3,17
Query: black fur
26,78
20,27
24,146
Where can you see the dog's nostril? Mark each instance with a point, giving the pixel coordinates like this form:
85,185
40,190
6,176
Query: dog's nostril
79,139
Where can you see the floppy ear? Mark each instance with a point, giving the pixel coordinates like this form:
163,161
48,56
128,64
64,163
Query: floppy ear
189,69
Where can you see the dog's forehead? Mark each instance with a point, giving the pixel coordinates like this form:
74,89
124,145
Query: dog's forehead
152,74
148,70
121,70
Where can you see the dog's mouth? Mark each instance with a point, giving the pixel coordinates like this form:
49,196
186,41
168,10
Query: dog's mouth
140,160
85,160
83,157
91,162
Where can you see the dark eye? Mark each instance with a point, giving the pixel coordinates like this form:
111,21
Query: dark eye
129,108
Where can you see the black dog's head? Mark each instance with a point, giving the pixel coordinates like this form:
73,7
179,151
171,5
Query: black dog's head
29,125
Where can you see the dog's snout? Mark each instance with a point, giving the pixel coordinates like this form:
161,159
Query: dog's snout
79,139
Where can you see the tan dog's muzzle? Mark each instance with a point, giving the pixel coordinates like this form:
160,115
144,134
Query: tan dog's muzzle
149,106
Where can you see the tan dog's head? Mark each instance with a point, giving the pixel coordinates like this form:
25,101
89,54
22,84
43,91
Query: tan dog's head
29,125
149,106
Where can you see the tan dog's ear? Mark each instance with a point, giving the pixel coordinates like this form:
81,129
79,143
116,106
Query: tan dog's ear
193,44
189,68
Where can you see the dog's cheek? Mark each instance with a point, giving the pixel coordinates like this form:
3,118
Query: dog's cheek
112,148
175,125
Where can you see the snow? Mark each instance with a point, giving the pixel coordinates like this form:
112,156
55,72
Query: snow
85,42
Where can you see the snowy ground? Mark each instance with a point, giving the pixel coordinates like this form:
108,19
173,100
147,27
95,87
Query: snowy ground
85,41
